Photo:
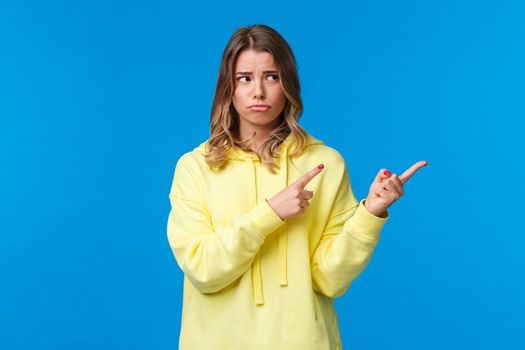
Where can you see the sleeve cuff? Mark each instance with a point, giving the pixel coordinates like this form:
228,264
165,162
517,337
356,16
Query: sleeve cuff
365,223
264,218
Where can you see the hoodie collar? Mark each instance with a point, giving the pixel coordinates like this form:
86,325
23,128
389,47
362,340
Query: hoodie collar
288,145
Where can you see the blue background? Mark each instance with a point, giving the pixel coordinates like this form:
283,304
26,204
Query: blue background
98,99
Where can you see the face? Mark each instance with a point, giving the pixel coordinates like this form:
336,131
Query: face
257,82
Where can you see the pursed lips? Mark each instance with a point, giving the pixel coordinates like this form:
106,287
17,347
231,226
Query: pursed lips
259,107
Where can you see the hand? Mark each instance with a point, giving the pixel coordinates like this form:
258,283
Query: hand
293,200
388,188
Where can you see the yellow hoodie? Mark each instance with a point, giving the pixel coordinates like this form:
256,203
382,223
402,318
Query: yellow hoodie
253,281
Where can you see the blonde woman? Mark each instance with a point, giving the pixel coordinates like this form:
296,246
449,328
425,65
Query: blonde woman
263,220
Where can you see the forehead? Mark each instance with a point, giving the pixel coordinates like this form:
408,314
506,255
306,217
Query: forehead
253,60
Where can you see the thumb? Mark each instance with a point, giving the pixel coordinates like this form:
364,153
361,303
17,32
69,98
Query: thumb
382,174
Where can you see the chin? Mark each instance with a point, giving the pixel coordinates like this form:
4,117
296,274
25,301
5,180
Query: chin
263,121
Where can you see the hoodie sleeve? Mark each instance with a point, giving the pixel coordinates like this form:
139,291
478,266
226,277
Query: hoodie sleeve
212,258
347,243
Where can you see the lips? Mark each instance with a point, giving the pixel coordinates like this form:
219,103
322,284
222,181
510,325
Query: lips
260,108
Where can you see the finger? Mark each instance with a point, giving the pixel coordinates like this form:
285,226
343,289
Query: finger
304,203
382,193
307,194
392,191
412,170
397,184
381,175
303,181
388,195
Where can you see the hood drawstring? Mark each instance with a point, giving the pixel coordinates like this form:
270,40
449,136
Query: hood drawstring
282,263
283,234
256,265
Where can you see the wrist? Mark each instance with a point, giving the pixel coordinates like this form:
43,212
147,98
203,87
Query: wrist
373,212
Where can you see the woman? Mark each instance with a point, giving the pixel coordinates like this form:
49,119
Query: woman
265,235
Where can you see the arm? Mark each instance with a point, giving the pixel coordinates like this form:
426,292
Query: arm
212,259
347,242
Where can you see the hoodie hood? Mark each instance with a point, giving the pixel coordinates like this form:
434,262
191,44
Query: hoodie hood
288,145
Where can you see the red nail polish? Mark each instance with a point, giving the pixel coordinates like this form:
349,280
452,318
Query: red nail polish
320,166
386,172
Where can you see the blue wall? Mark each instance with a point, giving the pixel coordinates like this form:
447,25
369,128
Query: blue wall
98,99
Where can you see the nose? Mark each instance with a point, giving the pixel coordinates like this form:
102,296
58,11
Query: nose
258,90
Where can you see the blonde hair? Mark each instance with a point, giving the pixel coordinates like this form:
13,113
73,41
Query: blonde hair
224,121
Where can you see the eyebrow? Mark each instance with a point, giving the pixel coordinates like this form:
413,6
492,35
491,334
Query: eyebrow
265,72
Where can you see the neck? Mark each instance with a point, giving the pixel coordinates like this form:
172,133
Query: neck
261,134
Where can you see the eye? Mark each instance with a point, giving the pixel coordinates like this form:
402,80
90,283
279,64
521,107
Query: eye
275,78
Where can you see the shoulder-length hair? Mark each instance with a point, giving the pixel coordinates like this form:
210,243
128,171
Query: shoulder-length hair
224,121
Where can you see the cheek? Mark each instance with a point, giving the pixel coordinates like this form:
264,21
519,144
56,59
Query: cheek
280,97
235,97
238,94
238,100
279,92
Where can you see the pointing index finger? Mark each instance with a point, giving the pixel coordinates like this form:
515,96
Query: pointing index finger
412,170
306,178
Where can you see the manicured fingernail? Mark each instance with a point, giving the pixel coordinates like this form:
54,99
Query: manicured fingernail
320,166
386,172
